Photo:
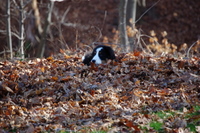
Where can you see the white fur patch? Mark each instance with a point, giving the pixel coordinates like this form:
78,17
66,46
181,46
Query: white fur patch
83,57
96,58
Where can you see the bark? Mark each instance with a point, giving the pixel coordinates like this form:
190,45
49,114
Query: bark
122,25
131,18
131,12
9,38
41,48
21,30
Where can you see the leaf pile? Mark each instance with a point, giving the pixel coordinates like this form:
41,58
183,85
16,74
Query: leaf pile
133,93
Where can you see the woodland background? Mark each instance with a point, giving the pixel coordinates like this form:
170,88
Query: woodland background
75,23
155,88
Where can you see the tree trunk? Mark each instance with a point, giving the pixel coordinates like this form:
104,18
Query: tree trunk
21,30
122,25
41,48
9,38
130,21
131,12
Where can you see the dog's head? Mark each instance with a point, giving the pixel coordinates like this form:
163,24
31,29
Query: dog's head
99,54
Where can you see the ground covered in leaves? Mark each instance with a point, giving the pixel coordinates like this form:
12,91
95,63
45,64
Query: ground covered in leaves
135,93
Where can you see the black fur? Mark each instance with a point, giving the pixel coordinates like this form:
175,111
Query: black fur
105,53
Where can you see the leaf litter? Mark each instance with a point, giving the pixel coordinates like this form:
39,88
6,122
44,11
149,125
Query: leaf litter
61,94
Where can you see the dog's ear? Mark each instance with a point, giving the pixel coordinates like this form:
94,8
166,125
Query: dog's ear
87,59
111,52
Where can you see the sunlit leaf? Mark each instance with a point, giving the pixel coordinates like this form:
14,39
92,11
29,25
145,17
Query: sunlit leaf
137,53
137,82
50,58
42,69
54,78
5,87
163,92
65,79
138,92
62,51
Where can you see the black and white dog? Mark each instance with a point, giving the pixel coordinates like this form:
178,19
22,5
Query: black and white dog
99,54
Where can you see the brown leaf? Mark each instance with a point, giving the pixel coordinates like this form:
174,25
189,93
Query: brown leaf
154,99
54,78
13,76
8,112
92,92
39,91
93,66
6,88
65,79
62,51
137,82
138,92
164,92
42,69
124,98
181,64
136,53
50,58
130,124
67,57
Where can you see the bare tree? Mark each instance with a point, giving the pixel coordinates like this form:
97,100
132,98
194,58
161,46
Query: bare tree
122,25
41,48
42,33
21,30
131,12
130,21
127,16
9,37
20,6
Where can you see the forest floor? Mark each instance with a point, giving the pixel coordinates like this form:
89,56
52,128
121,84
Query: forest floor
136,93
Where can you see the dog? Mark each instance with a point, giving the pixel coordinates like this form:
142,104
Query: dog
100,53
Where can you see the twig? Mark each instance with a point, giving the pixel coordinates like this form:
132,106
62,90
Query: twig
188,52
146,46
62,40
5,51
150,37
65,13
77,25
16,5
76,39
104,19
147,11
12,33
100,33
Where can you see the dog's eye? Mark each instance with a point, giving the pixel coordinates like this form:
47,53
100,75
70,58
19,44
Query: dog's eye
100,53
